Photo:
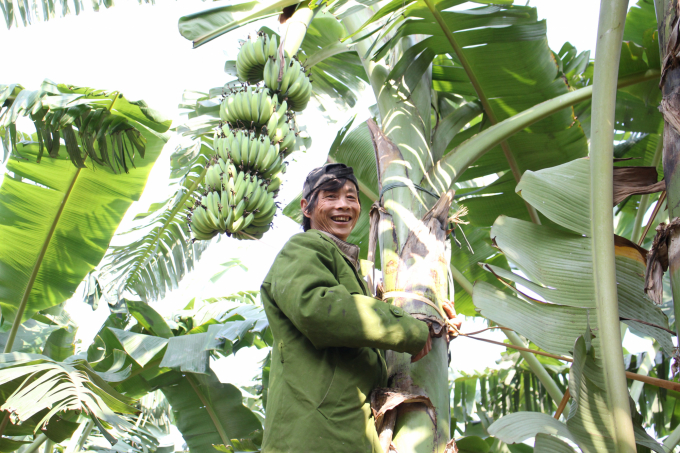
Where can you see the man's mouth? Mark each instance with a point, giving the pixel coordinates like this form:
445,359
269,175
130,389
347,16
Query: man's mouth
341,218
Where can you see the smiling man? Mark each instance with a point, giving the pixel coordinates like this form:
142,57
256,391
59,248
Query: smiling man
328,332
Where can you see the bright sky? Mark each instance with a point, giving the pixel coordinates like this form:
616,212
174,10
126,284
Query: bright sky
138,51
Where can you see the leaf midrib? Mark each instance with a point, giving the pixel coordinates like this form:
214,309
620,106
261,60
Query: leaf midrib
36,266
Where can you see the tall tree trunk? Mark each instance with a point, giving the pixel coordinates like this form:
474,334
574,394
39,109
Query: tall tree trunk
668,21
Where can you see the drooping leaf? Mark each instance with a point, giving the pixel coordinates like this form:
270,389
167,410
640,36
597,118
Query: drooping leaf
59,387
69,206
192,399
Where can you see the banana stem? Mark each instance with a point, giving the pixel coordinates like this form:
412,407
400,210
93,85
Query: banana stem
84,436
36,443
609,33
296,29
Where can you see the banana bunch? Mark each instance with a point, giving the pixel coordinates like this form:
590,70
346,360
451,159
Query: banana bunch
294,86
258,131
247,150
240,202
253,55
249,107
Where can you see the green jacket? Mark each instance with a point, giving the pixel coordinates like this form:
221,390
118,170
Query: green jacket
326,357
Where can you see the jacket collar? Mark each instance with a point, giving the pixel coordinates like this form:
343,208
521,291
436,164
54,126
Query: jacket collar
350,251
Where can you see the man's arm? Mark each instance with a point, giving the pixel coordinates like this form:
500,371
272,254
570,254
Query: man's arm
307,292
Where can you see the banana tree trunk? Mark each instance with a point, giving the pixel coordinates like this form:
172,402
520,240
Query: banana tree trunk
667,18
412,242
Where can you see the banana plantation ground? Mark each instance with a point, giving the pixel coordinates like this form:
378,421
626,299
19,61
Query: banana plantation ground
530,183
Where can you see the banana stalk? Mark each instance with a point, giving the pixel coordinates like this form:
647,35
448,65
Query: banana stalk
610,33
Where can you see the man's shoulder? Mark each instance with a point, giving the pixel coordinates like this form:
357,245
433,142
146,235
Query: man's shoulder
301,249
311,239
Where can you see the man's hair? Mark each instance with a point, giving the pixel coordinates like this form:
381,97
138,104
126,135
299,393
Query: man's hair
330,186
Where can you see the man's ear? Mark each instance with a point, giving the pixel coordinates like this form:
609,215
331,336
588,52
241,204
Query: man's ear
303,206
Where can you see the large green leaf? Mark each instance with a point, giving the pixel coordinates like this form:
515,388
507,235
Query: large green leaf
204,26
524,73
559,268
557,264
60,220
203,407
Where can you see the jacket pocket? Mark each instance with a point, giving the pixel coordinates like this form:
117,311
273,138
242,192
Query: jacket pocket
330,398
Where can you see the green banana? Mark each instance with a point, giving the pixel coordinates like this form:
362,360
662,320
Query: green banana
248,220
254,198
238,210
241,186
275,184
237,224
273,168
287,145
252,229
252,57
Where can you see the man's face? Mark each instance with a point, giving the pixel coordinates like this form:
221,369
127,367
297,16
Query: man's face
335,212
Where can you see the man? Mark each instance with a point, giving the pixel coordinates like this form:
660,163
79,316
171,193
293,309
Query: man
328,332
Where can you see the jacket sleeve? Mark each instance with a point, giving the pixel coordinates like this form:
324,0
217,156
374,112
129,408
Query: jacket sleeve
307,292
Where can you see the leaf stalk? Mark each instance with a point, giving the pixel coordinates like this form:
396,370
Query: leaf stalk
610,35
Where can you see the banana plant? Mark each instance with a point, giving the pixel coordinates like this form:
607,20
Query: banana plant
60,216
565,291
173,356
424,76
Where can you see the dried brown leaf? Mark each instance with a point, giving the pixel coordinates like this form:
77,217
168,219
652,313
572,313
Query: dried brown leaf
657,260
635,181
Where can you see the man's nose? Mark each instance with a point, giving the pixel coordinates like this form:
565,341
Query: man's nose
343,203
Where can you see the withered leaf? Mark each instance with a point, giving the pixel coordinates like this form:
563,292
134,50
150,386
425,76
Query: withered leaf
657,260
635,181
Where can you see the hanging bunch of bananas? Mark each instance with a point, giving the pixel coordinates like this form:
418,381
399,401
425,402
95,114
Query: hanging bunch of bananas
254,54
235,202
287,78
257,133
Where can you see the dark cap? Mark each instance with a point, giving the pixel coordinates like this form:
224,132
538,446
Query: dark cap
328,172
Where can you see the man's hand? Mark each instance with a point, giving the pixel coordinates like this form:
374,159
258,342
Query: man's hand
425,350
451,313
